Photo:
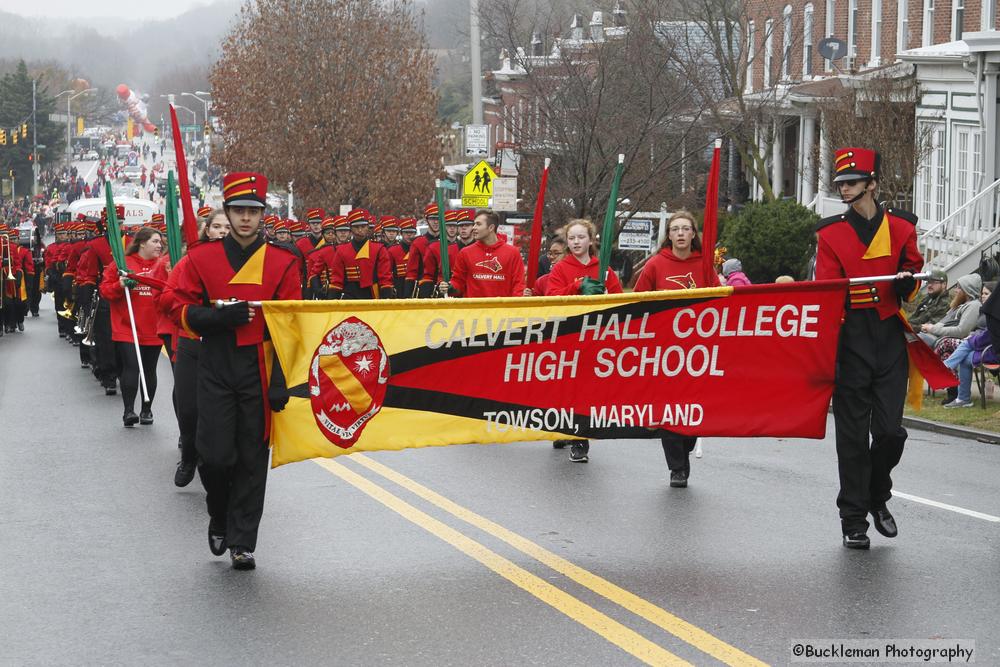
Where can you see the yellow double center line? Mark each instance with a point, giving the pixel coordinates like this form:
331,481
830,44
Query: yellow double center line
613,631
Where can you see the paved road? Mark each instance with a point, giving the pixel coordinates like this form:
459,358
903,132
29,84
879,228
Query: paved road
465,555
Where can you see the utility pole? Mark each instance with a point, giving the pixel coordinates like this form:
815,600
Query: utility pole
34,138
477,67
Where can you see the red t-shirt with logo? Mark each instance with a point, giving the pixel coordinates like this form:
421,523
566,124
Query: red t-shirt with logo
488,271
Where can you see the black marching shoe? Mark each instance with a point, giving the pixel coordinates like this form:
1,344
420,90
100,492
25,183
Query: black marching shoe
20,326
184,473
242,558
678,479
130,419
110,391
856,540
216,540
146,416
559,444
884,523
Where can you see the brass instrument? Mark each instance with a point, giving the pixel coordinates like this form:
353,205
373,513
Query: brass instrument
85,327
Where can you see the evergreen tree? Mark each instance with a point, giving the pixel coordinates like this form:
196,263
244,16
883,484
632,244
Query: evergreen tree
15,112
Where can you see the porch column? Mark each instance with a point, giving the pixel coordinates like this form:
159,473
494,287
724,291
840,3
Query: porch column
824,163
777,156
808,175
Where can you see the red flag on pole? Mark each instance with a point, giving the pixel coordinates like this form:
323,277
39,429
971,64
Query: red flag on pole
710,224
190,226
536,228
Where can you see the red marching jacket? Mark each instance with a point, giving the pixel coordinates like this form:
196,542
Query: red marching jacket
271,273
840,253
366,266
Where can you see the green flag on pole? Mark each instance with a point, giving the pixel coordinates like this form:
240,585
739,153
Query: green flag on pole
442,237
114,231
173,224
607,234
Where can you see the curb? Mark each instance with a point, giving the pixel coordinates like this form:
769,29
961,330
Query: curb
955,431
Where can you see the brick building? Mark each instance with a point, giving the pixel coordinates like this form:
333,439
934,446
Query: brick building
951,47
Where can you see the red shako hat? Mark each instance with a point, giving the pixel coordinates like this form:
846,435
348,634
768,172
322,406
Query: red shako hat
244,188
850,164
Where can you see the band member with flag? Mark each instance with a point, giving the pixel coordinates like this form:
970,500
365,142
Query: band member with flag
869,239
232,440
487,268
141,256
432,258
361,269
419,247
677,265
569,277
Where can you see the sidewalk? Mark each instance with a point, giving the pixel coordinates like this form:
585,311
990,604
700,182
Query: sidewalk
973,423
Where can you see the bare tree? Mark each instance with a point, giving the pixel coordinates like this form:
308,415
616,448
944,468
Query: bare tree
713,53
880,113
334,94
583,98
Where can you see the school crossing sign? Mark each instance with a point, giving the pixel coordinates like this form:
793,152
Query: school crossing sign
477,186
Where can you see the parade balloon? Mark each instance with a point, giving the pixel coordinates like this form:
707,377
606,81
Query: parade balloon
135,107
79,84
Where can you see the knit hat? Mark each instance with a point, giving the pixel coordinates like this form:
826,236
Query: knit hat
731,266
971,284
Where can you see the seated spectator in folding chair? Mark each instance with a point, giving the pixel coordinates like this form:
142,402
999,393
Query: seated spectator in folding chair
972,351
960,320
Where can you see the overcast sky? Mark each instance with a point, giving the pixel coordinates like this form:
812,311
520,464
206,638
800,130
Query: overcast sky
131,10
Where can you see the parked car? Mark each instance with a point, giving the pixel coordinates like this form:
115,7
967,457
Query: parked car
132,173
91,155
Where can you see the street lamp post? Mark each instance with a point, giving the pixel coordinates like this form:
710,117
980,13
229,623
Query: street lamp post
208,104
69,101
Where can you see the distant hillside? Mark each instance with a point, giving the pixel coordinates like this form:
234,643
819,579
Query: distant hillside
139,56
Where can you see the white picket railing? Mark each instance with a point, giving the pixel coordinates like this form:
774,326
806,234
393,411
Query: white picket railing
955,244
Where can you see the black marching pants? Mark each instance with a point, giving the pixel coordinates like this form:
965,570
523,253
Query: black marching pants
130,372
870,390
104,357
186,395
677,450
230,438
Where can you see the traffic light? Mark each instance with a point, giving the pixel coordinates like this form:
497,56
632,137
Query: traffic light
24,130
208,129
12,173
3,137
13,135
156,131
31,157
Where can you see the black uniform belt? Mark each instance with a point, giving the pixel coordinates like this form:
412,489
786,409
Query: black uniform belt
864,295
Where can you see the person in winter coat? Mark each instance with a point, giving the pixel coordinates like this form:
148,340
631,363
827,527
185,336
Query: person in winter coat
934,304
732,271
962,315
677,265
972,351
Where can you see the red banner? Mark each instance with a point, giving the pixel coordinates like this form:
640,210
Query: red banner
753,361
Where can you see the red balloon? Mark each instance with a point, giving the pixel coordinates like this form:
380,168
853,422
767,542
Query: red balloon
123,91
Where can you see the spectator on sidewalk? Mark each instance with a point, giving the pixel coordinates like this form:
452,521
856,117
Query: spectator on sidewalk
934,304
732,271
976,349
